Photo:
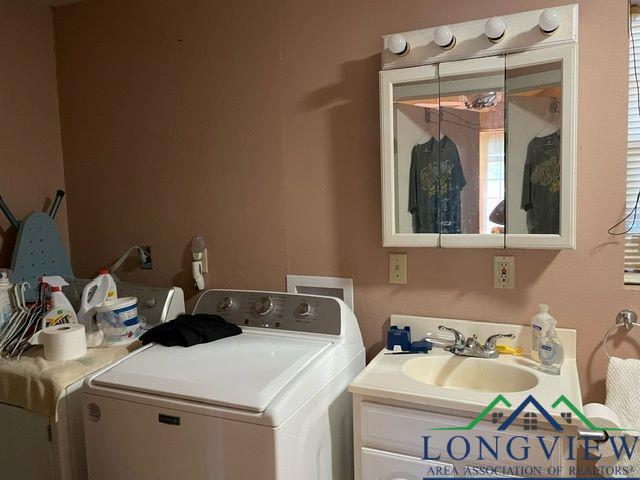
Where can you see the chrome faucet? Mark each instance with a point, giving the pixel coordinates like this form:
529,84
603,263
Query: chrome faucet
470,347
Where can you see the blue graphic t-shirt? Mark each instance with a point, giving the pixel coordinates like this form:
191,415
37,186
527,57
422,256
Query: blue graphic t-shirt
541,185
436,181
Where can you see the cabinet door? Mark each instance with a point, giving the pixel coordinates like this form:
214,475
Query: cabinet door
379,465
24,436
541,153
409,122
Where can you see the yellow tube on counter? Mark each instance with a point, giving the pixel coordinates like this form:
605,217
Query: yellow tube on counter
506,350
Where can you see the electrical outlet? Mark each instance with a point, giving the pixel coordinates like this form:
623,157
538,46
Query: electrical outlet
504,272
397,268
148,264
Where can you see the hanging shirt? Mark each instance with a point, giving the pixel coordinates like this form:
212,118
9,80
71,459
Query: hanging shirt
435,183
541,185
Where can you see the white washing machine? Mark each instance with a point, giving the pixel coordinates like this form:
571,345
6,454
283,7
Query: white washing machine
271,403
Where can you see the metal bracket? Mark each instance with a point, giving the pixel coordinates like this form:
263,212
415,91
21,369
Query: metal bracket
628,318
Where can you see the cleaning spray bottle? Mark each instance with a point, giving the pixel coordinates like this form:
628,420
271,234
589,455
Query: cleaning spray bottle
60,308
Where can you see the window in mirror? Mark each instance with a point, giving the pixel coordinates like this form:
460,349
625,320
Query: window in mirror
416,129
492,212
534,114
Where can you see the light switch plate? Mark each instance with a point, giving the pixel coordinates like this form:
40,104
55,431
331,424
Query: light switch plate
504,272
397,268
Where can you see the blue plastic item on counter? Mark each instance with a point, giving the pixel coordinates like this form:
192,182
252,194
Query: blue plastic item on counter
421,346
401,337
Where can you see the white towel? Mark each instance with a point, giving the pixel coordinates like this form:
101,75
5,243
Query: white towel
36,384
623,397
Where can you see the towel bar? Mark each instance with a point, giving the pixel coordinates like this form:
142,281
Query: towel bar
625,318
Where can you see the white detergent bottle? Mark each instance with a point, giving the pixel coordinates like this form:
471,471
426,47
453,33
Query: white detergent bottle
539,324
550,351
112,290
60,310
93,294
5,302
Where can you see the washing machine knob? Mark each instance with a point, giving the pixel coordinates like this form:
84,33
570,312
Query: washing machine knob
303,310
264,305
149,302
225,304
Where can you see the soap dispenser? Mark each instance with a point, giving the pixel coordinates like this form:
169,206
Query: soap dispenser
550,351
539,324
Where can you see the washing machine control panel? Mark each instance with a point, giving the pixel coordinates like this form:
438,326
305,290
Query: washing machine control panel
279,311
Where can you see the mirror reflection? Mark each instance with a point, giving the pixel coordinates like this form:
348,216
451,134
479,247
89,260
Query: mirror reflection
449,144
416,133
449,151
472,153
534,98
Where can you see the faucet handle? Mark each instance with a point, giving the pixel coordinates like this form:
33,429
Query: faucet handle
490,344
459,337
471,342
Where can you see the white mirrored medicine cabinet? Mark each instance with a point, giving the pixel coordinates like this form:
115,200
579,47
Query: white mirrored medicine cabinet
478,139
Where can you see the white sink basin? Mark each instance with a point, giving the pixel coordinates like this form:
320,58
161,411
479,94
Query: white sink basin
468,373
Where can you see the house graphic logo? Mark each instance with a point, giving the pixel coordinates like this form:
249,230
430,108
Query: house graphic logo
530,421
557,442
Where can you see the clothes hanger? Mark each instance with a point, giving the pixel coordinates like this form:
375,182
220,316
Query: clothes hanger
20,310
553,124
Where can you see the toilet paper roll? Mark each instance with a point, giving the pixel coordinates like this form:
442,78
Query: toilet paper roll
603,417
61,342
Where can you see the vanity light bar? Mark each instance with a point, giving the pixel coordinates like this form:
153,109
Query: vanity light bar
480,38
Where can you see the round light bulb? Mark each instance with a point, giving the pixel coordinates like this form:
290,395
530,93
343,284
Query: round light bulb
494,29
444,37
398,44
549,21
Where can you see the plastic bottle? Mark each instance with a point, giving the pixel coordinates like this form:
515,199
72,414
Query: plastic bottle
112,290
539,324
550,352
93,294
60,311
5,302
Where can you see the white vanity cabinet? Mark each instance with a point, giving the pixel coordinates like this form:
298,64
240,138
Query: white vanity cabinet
389,443
440,414
479,142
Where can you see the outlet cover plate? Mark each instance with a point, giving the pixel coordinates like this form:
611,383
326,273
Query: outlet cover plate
398,268
504,272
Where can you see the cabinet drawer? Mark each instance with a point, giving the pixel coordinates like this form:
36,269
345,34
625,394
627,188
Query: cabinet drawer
402,430
377,465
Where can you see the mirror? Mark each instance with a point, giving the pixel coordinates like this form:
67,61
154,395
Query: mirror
534,154
472,146
481,152
416,126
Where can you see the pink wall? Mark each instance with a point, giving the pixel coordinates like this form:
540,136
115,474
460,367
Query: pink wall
30,148
256,124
